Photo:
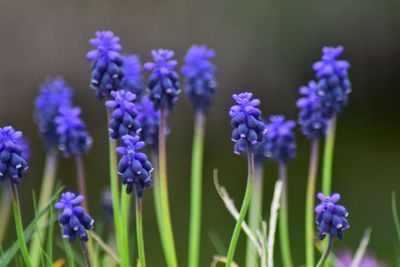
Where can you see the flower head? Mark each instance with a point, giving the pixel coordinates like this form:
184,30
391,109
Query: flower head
54,94
248,127
312,116
26,153
123,118
280,141
74,219
134,167
333,83
133,80
331,217
12,163
107,64
164,81
199,74
73,136
345,259
148,119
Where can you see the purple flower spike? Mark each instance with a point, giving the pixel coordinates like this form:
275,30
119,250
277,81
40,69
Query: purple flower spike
12,163
148,119
280,140
345,258
26,153
133,80
74,219
331,217
333,82
107,64
199,74
134,167
312,115
73,137
123,118
164,81
248,127
54,94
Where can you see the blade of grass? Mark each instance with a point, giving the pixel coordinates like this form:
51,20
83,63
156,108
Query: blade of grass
50,235
395,215
10,253
361,249
273,217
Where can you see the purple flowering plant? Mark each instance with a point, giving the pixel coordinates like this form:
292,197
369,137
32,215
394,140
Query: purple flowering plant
137,110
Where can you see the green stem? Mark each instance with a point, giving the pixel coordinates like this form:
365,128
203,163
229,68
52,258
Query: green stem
125,213
157,202
196,190
164,198
81,179
255,213
312,178
46,191
139,231
243,210
5,208
85,253
328,157
328,250
283,219
119,230
18,225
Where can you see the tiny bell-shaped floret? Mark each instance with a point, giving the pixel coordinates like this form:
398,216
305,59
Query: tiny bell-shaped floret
74,219
134,167
248,127
123,117
331,217
164,81
107,65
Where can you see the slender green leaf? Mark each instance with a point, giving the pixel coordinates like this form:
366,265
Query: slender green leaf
395,215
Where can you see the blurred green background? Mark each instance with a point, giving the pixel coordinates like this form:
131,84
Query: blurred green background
264,46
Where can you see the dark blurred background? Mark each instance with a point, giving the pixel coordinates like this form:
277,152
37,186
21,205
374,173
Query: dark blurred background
264,46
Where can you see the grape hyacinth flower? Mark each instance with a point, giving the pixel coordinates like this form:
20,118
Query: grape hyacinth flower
124,115
164,81
331,217
246,120
74,219
148,119
333,82
54,94
133,79
280,141
107,65
134,167
74,139
312,115
345,259
13,165
199,76
26,152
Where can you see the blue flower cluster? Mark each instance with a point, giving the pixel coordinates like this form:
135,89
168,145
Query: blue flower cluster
148,119
73,137
331,217
134,167
74,219
164,81
133,80
333,83
54,94
280,140
312,116
107,67
123,117
248,127
199,76
12,162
